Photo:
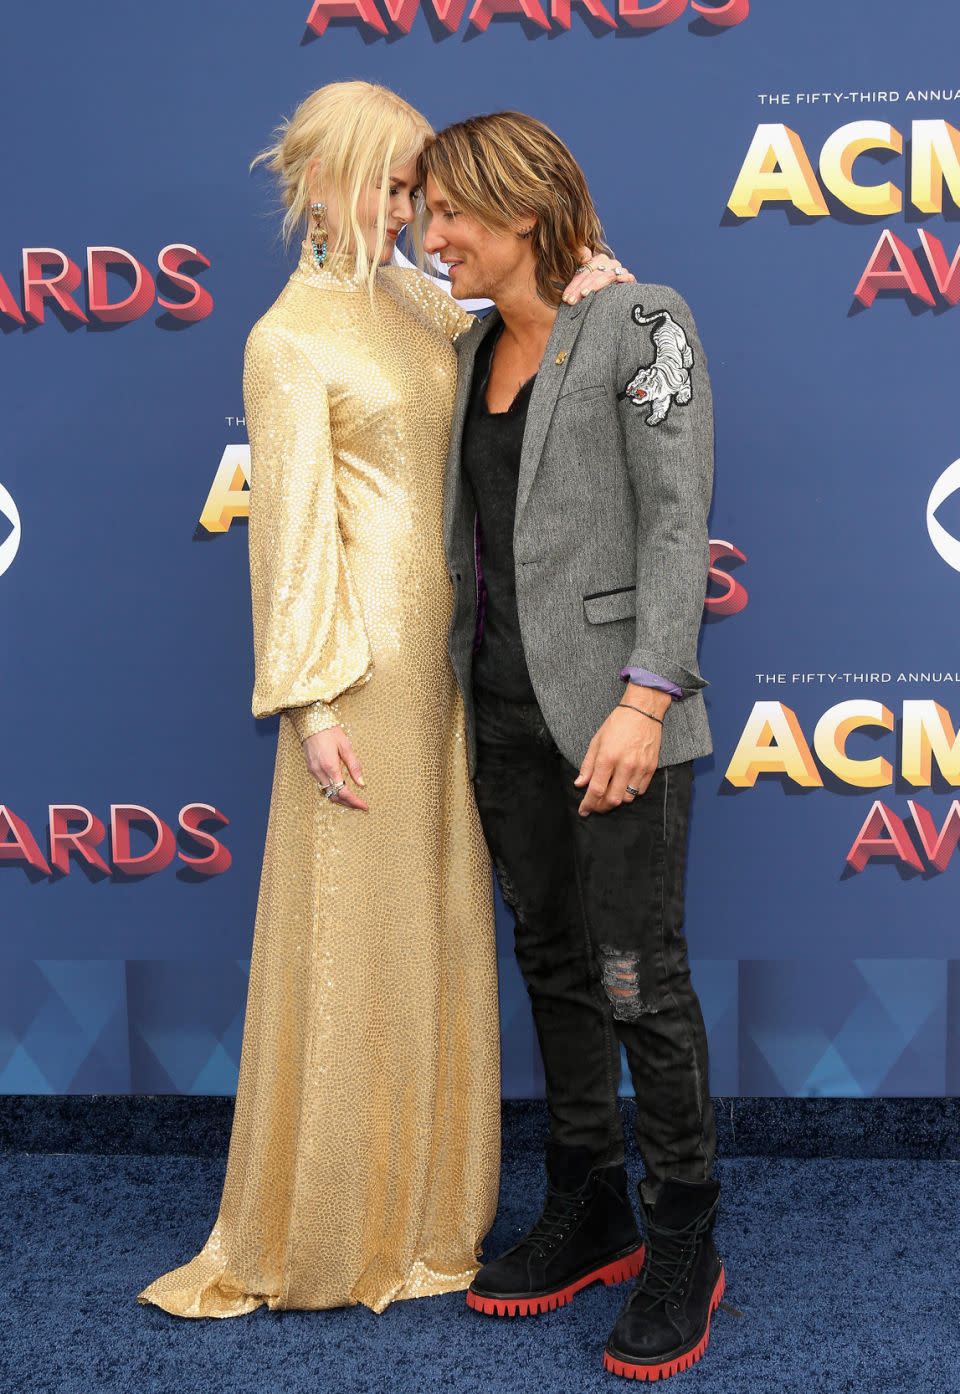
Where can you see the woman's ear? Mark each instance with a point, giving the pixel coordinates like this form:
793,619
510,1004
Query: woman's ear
313,180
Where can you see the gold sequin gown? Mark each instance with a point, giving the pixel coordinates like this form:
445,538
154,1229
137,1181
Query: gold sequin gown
364,1157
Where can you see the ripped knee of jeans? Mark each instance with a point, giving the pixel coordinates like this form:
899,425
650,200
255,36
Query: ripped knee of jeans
629,999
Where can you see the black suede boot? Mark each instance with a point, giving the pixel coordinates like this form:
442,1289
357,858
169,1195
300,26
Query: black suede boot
586,1234
665,1325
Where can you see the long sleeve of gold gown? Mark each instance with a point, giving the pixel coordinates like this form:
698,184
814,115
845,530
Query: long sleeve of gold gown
364,1154
308,631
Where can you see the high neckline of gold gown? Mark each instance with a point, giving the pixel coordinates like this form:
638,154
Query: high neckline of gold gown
336,273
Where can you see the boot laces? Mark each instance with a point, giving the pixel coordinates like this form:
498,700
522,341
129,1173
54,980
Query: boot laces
561,1210
671,1254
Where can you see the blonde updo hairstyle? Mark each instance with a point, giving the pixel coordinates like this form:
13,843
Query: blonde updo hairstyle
351,133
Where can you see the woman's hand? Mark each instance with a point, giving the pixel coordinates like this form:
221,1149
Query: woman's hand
330,758
597,271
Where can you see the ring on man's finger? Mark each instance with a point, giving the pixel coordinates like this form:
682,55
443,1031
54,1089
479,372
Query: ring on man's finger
631,790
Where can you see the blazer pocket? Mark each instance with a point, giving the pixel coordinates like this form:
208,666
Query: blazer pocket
585,393
604,606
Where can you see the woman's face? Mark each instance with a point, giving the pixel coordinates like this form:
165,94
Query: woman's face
400,210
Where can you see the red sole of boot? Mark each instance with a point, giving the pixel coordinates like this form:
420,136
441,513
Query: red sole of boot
617,1272
663,1370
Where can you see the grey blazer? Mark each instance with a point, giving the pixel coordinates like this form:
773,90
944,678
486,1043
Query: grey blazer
610,541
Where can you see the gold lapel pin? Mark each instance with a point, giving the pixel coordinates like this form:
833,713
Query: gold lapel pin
560,356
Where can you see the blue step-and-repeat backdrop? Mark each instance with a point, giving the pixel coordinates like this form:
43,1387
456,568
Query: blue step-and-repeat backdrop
794,170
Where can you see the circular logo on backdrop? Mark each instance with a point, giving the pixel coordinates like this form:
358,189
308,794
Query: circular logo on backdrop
11,543
946,544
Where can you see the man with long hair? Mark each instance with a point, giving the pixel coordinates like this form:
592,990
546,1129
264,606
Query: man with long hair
577,492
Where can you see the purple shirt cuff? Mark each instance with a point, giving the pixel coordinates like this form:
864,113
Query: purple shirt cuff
645,679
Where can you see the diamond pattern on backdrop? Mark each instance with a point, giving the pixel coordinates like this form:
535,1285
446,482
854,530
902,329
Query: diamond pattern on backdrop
186,1024
847,1028
63,1027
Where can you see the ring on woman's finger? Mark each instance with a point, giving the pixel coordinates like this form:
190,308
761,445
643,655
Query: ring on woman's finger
631,790
333,789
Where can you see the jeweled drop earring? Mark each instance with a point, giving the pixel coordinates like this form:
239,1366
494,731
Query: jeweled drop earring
318,233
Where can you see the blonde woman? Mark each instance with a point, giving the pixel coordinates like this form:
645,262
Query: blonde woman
364,1156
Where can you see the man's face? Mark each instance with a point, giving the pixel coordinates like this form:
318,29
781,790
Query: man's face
480,263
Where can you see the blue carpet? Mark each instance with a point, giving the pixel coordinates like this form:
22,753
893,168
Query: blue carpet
844,1274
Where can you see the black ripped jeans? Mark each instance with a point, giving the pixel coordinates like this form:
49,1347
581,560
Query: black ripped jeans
598,904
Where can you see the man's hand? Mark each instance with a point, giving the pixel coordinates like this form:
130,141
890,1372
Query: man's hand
330,758
624,751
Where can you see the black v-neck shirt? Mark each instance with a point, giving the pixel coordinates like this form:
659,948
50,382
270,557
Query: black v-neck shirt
490,454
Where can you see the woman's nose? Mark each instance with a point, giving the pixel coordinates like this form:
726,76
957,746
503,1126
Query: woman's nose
402,209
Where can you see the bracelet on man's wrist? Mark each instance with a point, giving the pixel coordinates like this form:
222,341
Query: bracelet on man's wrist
650,715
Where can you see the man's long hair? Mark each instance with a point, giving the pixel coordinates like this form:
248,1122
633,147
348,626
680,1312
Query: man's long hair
507,167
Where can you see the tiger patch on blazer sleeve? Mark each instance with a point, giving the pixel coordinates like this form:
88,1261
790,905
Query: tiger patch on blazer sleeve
667,379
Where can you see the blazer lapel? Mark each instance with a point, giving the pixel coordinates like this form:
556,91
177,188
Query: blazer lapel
546,390
453,482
